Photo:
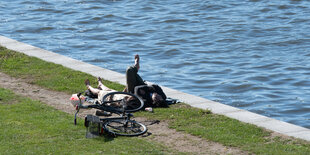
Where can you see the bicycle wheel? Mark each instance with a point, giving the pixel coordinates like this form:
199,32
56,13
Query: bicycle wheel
122,100
125,127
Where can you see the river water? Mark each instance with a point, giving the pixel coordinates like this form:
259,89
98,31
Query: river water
251,54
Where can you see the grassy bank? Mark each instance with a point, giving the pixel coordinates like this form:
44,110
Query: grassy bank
30,127
181,117
48,75
227,131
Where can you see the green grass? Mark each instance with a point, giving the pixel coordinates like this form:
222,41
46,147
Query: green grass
49,75
181,117
30,127
230,132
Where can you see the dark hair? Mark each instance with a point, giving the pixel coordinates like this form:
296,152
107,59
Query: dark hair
160,103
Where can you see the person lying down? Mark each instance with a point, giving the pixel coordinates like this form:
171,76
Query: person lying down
101,91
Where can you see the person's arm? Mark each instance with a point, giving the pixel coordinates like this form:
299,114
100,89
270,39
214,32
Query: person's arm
141,90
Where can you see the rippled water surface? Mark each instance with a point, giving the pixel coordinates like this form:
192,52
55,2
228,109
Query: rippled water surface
250,54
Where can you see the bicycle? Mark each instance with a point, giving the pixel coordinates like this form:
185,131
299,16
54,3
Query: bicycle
122,125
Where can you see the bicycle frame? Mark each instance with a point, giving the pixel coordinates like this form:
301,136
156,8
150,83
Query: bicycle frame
102,107
117,126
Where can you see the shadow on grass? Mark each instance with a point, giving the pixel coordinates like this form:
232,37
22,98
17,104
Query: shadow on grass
105,137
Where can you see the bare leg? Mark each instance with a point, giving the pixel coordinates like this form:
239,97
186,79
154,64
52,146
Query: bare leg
103,87
93,90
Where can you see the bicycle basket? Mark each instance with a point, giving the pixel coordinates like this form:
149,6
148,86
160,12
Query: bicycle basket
93,126
74,99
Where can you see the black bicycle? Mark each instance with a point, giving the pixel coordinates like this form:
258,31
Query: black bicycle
120,103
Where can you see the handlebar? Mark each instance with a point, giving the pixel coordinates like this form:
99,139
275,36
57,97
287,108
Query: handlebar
96,106
78,107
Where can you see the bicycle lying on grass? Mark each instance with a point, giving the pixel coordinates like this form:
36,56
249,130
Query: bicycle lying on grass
123,125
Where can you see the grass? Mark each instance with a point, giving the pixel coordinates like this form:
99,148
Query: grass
227,131
30,127
45,74
201,123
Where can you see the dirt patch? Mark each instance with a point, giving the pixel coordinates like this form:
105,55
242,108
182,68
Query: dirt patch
158,131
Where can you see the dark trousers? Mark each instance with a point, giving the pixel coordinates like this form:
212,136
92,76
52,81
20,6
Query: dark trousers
133,79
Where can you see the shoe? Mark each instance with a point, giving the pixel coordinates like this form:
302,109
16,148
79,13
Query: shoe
99,79
87,82
102,113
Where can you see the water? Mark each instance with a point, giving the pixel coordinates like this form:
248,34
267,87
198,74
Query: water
248,54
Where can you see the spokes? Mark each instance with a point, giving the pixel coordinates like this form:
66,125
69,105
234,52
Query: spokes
126,128
121,100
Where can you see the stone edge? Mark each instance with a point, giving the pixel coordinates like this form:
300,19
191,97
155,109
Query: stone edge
194,101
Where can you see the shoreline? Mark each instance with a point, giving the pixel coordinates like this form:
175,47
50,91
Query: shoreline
194,101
